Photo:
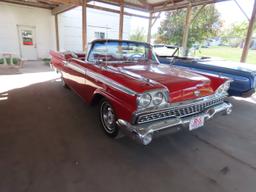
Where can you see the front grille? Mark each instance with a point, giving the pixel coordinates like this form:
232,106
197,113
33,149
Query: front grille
179,111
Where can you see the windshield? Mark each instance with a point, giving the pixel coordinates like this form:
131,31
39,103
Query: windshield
118,52
165,51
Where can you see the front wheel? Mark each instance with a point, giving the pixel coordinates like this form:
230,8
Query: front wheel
108,118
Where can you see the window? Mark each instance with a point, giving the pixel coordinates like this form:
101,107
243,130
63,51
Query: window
99,35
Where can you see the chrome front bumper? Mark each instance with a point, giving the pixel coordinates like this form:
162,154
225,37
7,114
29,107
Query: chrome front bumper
144,133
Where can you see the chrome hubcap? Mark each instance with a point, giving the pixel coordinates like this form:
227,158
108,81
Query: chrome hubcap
108,117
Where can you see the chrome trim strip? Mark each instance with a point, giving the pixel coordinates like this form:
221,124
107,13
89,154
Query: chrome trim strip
106,80
101,78
75,67
110,83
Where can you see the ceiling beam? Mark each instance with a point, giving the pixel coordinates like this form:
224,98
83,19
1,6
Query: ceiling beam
115,11
62,8
76,2
182,4
28,3
47,2
126,5
145,4
197,13
141,5
242,10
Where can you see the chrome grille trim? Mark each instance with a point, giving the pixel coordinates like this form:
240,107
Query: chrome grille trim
179,111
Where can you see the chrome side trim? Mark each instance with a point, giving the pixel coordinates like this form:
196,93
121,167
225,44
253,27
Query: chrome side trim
75,67
110,82
99,77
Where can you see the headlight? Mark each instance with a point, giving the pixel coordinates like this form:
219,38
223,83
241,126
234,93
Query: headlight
153,98
157,98
223,88
144,100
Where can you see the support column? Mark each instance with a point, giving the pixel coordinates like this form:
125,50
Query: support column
84,25
121,20
149,27
57,32
249,34
186,31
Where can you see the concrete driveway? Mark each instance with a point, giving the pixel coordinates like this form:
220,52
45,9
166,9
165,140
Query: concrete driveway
51,141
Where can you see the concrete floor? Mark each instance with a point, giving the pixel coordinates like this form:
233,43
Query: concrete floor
50,141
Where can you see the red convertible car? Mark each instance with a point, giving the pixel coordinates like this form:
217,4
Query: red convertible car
138,95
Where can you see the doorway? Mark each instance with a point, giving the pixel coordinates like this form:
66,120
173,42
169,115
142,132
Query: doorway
27,41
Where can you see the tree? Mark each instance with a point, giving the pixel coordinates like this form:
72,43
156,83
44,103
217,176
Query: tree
235,34
138,35
206,24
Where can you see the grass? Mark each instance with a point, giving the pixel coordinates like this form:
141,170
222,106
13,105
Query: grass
227,53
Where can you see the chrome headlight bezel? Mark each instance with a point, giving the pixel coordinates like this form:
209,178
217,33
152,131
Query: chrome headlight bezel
158,98
144,100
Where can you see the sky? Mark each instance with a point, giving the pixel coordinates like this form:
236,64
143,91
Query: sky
229,12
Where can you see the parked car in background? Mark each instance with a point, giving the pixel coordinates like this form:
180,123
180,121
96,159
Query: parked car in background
137,94
243,75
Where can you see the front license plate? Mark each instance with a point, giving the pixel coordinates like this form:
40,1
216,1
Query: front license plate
196,122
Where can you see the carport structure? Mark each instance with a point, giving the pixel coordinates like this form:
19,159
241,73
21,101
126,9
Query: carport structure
153,8
50,141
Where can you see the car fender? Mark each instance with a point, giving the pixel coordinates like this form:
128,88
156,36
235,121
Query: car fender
123,110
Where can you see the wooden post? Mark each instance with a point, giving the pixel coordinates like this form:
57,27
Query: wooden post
57,32
149,27
186,30
249,34
84,25
121,20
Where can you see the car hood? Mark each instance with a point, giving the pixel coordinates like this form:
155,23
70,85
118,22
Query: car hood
180,83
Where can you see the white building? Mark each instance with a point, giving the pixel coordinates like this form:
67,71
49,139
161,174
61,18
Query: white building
29,32
26,31
100,24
